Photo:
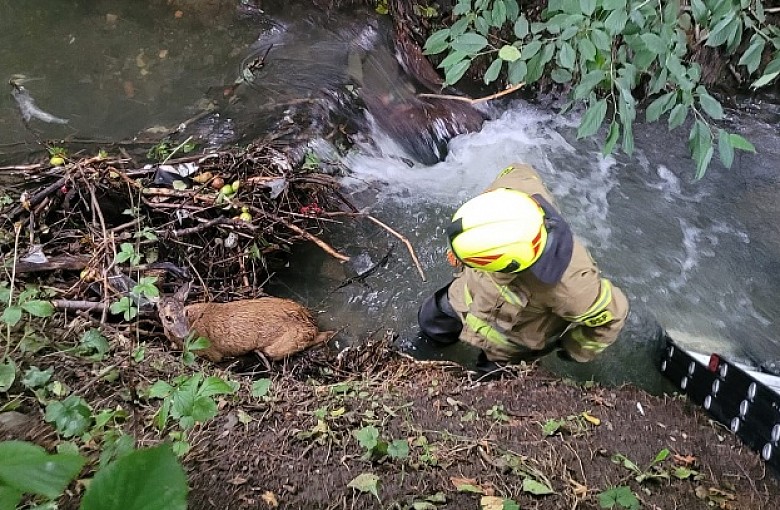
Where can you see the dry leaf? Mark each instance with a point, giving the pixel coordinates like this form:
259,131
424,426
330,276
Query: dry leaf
466,485
591,419
580,491
686,460
239,480
491,503
270,499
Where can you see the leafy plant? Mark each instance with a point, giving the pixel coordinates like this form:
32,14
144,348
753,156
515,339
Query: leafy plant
377,448
261,387
497,413
189,400
26,302
128,253
191,345
144,479
366,482
619,497
604,50
28,469
652,472
71,417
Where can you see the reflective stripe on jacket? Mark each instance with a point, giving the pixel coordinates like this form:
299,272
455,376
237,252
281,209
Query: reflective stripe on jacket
508,313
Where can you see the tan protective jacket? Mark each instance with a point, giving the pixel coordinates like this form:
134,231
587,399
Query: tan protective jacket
507,314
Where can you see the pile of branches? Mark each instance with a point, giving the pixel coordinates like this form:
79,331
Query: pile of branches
96,226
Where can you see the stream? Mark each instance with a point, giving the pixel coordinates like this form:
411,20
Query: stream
700,259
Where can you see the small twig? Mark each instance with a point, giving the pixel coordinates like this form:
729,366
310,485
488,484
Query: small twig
174,151
474,101
67,304
403,240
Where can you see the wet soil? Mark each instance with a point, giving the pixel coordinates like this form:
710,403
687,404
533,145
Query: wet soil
299,448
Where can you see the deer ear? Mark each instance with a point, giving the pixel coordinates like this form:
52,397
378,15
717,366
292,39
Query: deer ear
183,292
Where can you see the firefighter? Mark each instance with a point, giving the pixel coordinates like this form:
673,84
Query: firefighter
525,286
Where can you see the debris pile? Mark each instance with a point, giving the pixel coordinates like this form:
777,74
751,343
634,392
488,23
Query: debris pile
113,228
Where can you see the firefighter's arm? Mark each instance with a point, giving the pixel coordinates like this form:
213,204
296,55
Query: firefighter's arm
597,311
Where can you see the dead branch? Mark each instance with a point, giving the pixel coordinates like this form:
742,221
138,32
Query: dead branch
403,240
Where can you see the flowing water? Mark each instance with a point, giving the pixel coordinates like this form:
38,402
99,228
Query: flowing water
697,258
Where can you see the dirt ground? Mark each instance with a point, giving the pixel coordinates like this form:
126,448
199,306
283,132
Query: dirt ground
441,440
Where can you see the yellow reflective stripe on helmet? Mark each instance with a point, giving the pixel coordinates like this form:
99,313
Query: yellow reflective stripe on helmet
579,336
597,313
485,330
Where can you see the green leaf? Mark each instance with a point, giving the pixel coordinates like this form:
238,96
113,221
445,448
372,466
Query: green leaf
456,72
493,71
699,10
628,135
202,410
654,43
720,33
601,40
752,56
661,456
146,287
38,308
592,119
214,385
567,56
148,479
27,468
437,42
616,22
508,53
725,149
93,342
261,387
517,71
587,49
7,374
34,377
741,143
536,487
367,437
588,83
366,482
550,427
588,6
160,389
12,315
71,417
659,106
611,5
521,27
619,497
709,104
764,80
700,144
560,75
612,138
499,13
199,344
531,49
677,116
469,43
10,498
398,449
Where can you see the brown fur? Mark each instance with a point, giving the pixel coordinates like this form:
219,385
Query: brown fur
272,326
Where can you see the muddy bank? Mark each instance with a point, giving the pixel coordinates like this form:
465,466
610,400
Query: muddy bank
421,435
